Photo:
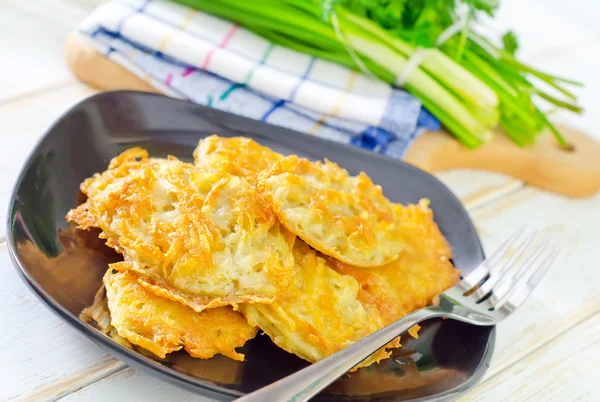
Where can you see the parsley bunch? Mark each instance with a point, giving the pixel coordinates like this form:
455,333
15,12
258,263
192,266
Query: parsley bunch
421,22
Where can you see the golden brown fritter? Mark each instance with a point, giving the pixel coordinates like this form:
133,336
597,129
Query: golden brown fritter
422,271
98,316
238,156
345,217
163,326
320,315
199,239
206,239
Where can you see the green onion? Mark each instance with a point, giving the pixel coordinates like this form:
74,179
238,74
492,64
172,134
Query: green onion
469,84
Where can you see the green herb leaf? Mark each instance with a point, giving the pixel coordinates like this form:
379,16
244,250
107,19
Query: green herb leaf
510,42
487,6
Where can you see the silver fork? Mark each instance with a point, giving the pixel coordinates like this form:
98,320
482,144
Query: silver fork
489,294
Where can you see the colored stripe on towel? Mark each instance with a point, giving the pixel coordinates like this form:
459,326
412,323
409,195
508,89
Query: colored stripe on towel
338,106
282,102
304,77
223,44
169,79
273,108
181,27
140,9
248,77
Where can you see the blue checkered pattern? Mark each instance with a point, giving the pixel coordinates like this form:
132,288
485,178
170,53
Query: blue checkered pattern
320,97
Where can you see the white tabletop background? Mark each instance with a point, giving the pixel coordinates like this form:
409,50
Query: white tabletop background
547,351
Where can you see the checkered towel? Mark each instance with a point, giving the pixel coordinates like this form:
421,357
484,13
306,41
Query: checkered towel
195,56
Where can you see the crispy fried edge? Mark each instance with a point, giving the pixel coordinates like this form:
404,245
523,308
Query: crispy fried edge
162,351
284,166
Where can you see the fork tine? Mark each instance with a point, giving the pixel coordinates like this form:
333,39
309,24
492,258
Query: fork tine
483,269
518,294
495,258
511,277
497,273
519,252
537,276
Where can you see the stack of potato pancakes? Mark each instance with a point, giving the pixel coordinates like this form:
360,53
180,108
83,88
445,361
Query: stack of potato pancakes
246,238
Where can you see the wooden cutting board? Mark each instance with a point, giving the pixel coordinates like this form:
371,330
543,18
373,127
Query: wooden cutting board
573,173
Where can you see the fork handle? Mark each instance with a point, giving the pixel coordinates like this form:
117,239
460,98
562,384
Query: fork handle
308,382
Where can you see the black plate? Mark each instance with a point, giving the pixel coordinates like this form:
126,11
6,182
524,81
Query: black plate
64,267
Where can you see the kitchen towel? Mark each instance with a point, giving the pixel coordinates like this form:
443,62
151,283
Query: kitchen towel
195,56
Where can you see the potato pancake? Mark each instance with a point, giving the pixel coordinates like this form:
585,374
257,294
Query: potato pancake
202,241
238,156
422,271
98,316
320,315
342,216
206,239
163,326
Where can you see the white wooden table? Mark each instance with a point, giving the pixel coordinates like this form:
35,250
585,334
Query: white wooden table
548,351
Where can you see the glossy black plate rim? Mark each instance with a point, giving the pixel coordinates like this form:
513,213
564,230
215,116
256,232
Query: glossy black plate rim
137,360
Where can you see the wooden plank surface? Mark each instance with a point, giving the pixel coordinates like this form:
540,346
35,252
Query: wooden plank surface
132,385
43,357
32,36
569,294
569,364
538,349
